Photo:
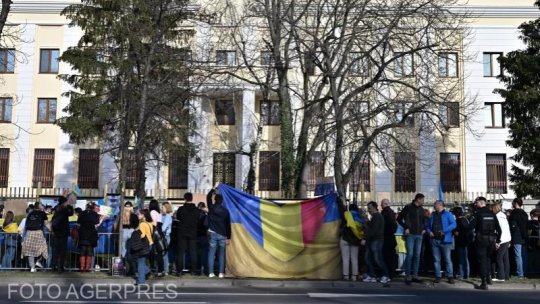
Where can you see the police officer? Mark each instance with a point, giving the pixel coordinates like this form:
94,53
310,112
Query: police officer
488,238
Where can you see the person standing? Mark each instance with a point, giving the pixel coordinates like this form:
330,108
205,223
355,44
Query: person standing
349,244
144,231
411,218
130,221
463,236
488,238
202,238
219,232
34,244
88,221
10,230
503,260
60,230
156,257
518,228
166,217
188,219
390,227
373,240
440,229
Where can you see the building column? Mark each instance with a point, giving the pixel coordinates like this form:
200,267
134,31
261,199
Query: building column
247,129
21,163
200,167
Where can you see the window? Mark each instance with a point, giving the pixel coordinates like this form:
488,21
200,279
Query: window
43,168
88,177
131,169
269,171
46,110
178,170
185,55
494,115
267,58
450,114
4,167
7,60
492,68
496,173
5,109
310,60
405,172
360,111
226,57
448,64
403,65
316,169
270,113
224,168
225,112
361,176
404,115
48,61
450,172
359,64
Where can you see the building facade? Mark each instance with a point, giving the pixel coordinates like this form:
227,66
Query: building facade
38,152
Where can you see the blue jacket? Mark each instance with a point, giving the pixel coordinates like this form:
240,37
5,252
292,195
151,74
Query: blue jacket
448,225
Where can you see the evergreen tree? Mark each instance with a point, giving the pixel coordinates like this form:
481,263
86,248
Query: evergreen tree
522,108
130,85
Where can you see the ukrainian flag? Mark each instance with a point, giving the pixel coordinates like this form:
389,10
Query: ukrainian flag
283,240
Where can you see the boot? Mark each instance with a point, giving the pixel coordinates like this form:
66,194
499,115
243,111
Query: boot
82,263
483,286
88,263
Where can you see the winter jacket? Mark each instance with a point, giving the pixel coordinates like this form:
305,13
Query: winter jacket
87,221
412,218
219,219
188,220
518,226
390,227
374,229
505,227
448,225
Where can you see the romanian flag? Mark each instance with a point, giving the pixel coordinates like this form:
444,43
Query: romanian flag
283,240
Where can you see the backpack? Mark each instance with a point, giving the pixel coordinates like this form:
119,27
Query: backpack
160,244
138,246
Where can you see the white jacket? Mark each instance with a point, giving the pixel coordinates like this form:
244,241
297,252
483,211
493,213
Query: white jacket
505,228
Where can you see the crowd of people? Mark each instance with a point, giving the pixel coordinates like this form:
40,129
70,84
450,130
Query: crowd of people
480,235
157,241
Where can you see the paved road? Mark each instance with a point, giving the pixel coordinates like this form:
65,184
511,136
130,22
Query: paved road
126,294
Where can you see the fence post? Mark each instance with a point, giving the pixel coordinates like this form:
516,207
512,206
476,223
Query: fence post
38,194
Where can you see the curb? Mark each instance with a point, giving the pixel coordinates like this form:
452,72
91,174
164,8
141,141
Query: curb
224,283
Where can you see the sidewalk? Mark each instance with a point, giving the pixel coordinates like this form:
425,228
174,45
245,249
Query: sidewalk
68,278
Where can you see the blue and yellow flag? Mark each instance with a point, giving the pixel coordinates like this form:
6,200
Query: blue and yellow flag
283,240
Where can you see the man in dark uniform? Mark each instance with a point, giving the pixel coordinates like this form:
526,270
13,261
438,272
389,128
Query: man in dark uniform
488,238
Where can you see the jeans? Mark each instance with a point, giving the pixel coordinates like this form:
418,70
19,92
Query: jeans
142,269
442,249
374,255
519,259
166,267
126,234
8,256
413,242
186,243
216,240
463,261
59,252
503,262
349,257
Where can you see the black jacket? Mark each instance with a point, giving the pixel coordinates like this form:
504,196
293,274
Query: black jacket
188,220
518,226
374,229
219,219
412,218
87,221
60,222
483,217
390,226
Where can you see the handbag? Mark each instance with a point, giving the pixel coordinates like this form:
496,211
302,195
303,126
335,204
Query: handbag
138,246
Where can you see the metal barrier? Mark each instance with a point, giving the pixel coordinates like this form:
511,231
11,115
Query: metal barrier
10,251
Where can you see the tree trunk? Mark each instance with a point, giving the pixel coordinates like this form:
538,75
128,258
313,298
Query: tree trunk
6,7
